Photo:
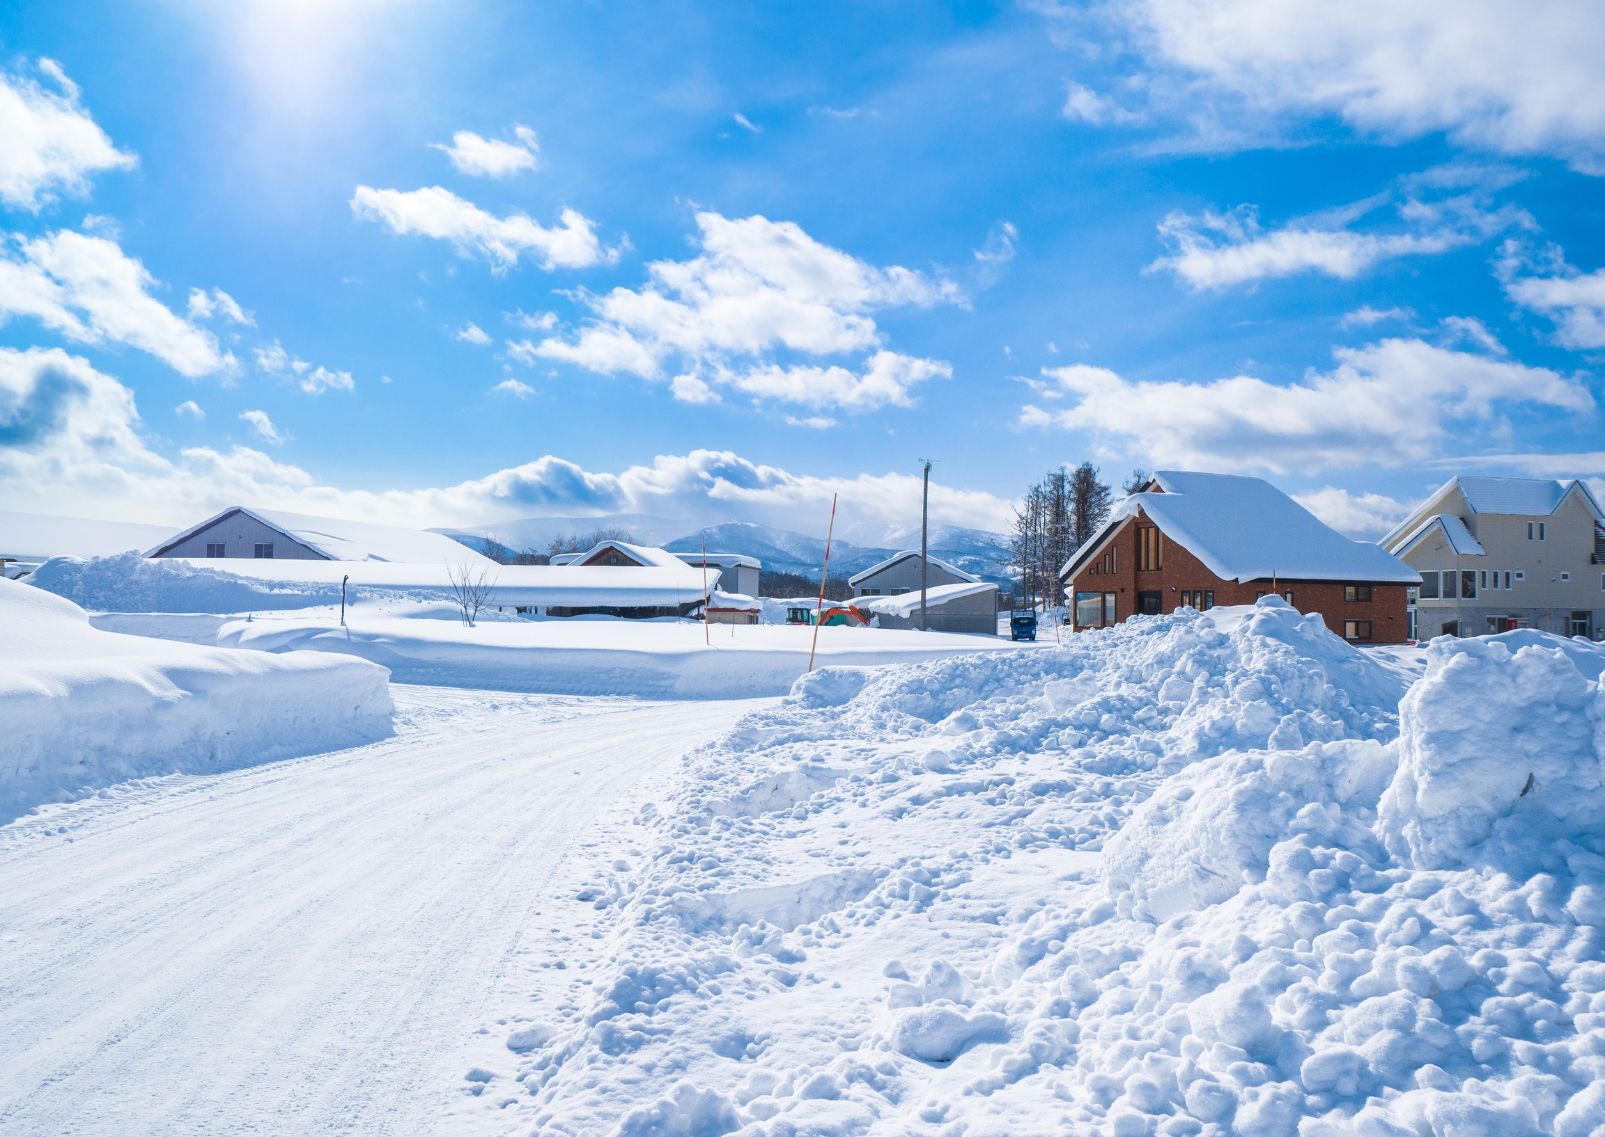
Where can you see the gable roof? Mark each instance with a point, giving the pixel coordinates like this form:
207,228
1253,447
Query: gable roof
1454,531
643,555
1244,529
1519,497
342,540
903,556
908,603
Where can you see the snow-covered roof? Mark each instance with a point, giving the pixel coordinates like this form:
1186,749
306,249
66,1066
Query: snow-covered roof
565,558
723,560
1245,529
644,555
908,603
567,586
903,556
734,601
1519,497
36,537
1454,531
342,540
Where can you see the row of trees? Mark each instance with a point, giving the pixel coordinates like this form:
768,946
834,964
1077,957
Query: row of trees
1056,517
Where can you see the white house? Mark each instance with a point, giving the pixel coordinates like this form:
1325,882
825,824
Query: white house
239,533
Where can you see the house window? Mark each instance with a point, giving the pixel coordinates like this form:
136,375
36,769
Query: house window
1429,586
1108,609
1288,596
1507,580
1449,579
264,551
1520,575
870,592
1357,593
1530,528
1482,579
1357,631
1579,624
1209,601
215,549
1468,584
1150,549
1565,576
1089,609
1150,603
1540,530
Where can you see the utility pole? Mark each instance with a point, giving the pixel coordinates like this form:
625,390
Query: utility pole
925,536
344,580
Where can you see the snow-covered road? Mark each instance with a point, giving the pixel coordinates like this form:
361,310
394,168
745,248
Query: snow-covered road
319,945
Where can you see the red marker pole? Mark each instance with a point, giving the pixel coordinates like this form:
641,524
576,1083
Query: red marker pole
820,607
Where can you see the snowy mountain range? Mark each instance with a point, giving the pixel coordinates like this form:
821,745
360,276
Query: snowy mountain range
780,550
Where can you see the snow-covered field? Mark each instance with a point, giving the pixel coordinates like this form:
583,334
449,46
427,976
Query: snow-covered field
1188,876
81,708
647,658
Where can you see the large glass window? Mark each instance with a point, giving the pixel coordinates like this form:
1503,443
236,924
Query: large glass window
1357,593
264,551
215,549
1357,631
1429,586
1150,603
1468,584
1449,579
1108,609
1150,548
1089,609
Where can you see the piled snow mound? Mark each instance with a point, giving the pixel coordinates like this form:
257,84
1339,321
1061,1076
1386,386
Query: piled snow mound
1503,748
129,582
83,709
1141,885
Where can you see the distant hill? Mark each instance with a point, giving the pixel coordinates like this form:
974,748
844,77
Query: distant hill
780,550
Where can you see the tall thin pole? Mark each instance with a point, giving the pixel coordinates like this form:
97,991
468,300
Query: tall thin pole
820,607
344,580
925,534
706,599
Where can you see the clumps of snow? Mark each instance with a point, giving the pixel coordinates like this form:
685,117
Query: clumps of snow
1502,755
83,708
129,582
1184,876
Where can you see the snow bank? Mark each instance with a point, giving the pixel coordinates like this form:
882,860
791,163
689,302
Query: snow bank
83,709
656,659
1184,876
129,582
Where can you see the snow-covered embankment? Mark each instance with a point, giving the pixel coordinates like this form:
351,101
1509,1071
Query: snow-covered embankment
82,709
1188,876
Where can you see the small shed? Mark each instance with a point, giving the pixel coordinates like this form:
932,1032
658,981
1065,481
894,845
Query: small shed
965,607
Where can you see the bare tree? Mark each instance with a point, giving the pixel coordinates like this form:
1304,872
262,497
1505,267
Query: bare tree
1089,504
582,542
1134,484
473,587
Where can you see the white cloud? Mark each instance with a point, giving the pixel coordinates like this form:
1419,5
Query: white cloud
1388,403
1546,284
474,334
439,213
1362,515
189,408
87,289
1083,104
1469,329
204,305
1515,79
759,287
483,157
1367,316
812,422
746,123
51,143
514,388
1218,250
71,444
313,380
532,321
263,426
690,389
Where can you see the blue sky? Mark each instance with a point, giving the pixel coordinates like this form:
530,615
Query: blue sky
454,263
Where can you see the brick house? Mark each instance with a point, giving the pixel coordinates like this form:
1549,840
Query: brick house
1202,540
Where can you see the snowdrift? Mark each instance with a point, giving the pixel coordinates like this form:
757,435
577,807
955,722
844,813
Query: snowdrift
1216,874
654,659
128,582
82,709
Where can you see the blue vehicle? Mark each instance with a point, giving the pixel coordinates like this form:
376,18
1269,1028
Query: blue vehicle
1023,626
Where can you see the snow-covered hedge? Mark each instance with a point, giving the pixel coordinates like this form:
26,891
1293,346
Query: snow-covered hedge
81,708
1184,876
129,582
